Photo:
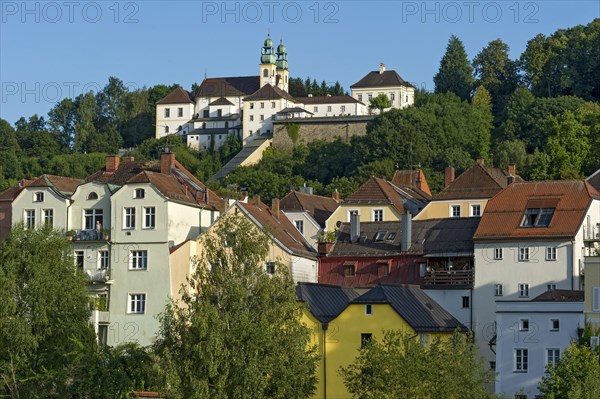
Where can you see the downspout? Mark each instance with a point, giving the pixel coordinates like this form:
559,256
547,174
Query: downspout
324,326
573,265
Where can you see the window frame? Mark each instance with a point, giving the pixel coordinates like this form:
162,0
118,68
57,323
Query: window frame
524,254
141,302
365,338
270,268
38,196
554,357
139,193
471,210
465,300
29,218
180,112
299,224
375,213
551,253
79,257
138,259
152,216
521,364
596,299
368,309
498,253
498,290
96,214
554,325
167,112
103,259
453,208
523,324
129,218
537,217
48,217
523,290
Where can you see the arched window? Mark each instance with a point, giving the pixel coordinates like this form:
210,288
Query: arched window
166,129
92,196
265,73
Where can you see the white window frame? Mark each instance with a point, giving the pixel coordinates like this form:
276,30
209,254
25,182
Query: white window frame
342,108
79,254
103,259
180,112
524,254
38,196
29,218
551,287
552,355
523,290
498,254
452,208
128,218
270,268
524,325
251,118
360,97
349,212
139,193
498,290
374,212
167,112
299,224
471,208
329,108
136,303
149,212
94,214
48,216
138,259
521,360
369,309
552,328
551,253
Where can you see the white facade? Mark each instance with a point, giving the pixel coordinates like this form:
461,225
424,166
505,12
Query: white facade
258,116
36,206
529,336
306,225
400,96
458,302
172,118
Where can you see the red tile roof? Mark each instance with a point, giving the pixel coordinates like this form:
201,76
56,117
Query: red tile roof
66,185
560,296
376,79
228,86
504,213
327,100
177,96
411,178
320,208
479,181
268,92
377,191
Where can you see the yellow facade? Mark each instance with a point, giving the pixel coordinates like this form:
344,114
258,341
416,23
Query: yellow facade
592,280
342,214
443,209
343,340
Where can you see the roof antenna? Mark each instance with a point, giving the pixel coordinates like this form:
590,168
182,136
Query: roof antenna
205,76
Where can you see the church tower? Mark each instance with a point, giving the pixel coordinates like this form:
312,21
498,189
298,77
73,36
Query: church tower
268,65
282,67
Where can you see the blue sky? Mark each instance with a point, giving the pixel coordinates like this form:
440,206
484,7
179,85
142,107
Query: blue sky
50,50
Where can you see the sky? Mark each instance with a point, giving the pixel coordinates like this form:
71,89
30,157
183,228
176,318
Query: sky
50,50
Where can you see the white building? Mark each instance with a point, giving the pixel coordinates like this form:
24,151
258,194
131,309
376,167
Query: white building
532,334
400,93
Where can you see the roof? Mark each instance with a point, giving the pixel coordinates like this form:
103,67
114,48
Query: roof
380,191
64,185
13,191
294,110
327,100
228,86
594,179
504,213
560,296
177,96
279,227
320,208
411,178
324,301
366,245
386,79
221,101
268,92
417,308
479,181
128,168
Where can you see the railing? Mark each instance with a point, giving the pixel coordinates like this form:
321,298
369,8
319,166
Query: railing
591,232
101,276
449,277
91,235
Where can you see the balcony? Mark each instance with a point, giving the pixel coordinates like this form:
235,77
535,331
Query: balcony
449,279
591,232
100,277
91,235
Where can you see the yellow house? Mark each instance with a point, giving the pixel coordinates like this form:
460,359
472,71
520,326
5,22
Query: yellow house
379,200
591,307
343,319
468,194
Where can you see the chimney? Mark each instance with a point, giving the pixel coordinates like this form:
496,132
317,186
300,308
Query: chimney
480,161
448,176
419,182
336,195
167,160
128,159
354,226
381,68
310,94
510,180
275,208
512,169
112,163
406,231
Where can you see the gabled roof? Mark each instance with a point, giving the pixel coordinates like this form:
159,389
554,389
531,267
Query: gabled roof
228,86
560,296
177,96
417,308
63,185
279,227
128,168
377,191
327,100
268,92
594,179
221,101
386,79
325,302
479,181
13,191
504,213
366,245
320,208
411,178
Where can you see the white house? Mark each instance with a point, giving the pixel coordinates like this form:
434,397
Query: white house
400,93
532,334
173,112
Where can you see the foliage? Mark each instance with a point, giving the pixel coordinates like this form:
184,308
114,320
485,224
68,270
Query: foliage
397,366
237,333
575,376
381,102
292,131
302,88
44,311
456,73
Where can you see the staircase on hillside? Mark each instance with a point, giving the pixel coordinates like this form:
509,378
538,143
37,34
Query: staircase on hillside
251,153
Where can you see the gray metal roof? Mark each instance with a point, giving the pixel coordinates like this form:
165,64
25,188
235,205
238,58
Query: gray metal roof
325,302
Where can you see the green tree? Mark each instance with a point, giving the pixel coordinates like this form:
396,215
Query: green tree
10,164
85,127
456,73
44,310
568,146
381,102
397,366
575,376
238,332
61,119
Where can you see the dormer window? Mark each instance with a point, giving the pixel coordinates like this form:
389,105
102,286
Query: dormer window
537,217
92,196
380,236
139,193
38,197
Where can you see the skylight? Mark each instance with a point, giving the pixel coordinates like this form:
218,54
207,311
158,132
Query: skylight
537,217
380,235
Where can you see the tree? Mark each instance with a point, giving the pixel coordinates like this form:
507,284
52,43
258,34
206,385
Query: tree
44,310
575,376
456,73
568,146
399,367
381,102
237,333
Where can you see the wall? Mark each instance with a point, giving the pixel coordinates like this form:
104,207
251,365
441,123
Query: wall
173,121
592,279
441,209
25,201
311,228
341,214
400,95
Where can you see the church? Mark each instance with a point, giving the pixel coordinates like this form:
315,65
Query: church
247,106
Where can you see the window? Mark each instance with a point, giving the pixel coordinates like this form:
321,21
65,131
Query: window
139,193
79,258
262,105
455,211
596,299
553,356
391,236
521,396
251,118
476,210
422,269
377,215
166,129
348,270
251,105
149,217
386,270
205,114
465,302
270,268
492,365
137,303
360,97
498,253
203,125
551,253
380,235
316,109
551,287
30,218
219,113
329,108
299,225
392,97
537,217
368,309
498,289
554,324
92,196
138,260
167,112
262,118
272,104
524,290
104,259
265,73
93,218
48,217
343,108
38,197
423,340
352,211
521,360
365,338
180,112
523,254
129,218
524,325
370,97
